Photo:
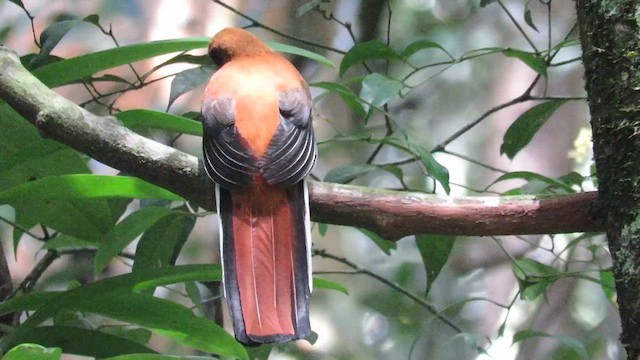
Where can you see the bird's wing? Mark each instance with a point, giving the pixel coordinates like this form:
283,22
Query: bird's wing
228,160
292,151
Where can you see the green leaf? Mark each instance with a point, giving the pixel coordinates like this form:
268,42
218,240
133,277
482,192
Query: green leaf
26,156
79,218
362,52
520,133
294,50
533,277
50,303
484,3
572,179
420,45
66,71
81,341
322,229
378,89
535,268
160,245
530,176
347,95
608,283
569,341
92,19
52,35
63,241
84,186
319,283
188,80
202,60
153,119
347,173
167,318
434,168
18,2
125,232
137,334
533,60
435,251
385,245
194,294
308,6
528,19
33,352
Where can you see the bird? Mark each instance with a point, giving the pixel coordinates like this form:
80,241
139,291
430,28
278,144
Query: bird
258,147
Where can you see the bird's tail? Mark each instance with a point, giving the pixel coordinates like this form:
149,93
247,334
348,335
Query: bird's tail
265,247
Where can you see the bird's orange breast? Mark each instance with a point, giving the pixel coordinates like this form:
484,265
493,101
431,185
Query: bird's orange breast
255,83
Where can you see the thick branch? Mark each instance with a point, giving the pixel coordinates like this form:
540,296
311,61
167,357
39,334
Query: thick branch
391,214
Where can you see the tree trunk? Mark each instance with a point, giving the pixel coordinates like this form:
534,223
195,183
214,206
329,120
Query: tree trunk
611,55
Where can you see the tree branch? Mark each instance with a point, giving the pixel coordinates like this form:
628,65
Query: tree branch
391,214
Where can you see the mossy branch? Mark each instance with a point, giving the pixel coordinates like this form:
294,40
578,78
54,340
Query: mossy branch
391,214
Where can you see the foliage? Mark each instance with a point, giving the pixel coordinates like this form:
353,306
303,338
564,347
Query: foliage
53,191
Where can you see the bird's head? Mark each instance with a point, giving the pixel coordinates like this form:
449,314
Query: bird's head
233,43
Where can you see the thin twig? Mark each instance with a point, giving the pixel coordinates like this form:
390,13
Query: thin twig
21,228
471,125
256,23
32,278
520,29
474,161
357,269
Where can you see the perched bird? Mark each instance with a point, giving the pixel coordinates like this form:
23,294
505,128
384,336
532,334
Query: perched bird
258,146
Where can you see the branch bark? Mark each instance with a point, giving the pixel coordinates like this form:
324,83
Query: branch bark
609,37
391,214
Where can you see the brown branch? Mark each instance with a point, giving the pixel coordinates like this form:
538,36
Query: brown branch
391,214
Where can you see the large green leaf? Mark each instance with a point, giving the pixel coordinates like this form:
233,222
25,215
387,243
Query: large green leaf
51,36
346,94
420,45
74,340
84,219
188,80
533,60
33,352
66,71
369,50
24,157
69,70
125,232
153,119
160,245
294,50
520,133
84,186
168,319
49,303
435,251
378,89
